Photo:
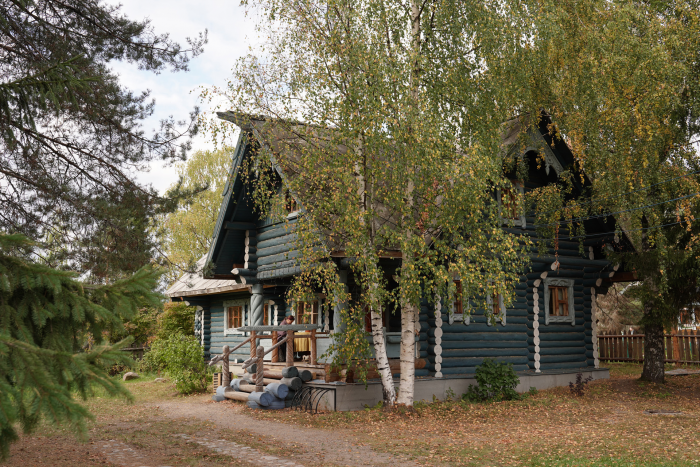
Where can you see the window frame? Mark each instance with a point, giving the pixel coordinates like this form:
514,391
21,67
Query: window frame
520,220
555,282
459,316
489,312
297,317
244,311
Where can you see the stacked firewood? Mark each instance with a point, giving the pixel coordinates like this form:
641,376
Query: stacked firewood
278,387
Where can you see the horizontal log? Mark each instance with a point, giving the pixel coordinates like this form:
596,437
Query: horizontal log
236,395
266,260
469,370
278,232
282,247
245,272
484,352
480,344
292,383
452,362
261,398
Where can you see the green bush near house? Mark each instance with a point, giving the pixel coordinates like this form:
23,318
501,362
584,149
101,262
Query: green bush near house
181,358
497,381
176,318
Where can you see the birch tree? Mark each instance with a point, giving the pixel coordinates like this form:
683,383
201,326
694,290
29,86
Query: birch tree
621,85
392,114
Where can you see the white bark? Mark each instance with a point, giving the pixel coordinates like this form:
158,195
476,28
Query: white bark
409,312
388,391
409,317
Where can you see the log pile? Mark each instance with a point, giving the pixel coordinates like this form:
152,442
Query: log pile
279,387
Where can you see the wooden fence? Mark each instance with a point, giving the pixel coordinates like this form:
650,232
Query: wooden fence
680,346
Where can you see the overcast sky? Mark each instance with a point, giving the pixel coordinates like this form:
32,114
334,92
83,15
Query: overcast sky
176,94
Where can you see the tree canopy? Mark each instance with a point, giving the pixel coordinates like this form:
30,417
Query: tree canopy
188,230
52,352
71,134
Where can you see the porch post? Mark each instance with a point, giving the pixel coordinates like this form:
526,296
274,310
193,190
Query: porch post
256,305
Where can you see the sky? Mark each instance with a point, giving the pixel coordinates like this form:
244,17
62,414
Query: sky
176,94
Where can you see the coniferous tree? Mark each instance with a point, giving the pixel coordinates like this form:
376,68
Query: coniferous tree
71,135
46,317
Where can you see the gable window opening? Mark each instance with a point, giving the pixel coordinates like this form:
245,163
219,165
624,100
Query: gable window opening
290,204
508,206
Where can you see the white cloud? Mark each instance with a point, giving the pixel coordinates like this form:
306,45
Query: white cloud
176,94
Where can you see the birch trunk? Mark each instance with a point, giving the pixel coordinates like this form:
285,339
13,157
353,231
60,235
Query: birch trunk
388,390
409,314
408,309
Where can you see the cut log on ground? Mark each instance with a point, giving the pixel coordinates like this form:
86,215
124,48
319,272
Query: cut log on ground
306,375
292,383
236,395
290,372
278,390
262,398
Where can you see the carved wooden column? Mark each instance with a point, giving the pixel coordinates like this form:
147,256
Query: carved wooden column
290,348
259,374
312,347
225,372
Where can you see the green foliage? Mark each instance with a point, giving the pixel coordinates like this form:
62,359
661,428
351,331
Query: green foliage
141,327
176,318
496,381
66,107
45,318
189,229
350,349
181,357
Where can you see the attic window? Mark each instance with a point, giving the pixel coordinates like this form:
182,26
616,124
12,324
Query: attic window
507,203
290,204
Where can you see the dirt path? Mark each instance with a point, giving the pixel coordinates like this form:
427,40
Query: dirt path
317,447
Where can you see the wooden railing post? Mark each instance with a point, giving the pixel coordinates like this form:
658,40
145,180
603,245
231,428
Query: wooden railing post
275,352
312,347
290,349
259,374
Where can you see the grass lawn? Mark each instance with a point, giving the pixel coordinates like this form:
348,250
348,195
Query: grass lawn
606,427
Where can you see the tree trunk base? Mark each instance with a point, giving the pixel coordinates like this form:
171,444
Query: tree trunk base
654,354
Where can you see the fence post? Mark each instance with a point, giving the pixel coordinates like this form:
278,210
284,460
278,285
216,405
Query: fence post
676,348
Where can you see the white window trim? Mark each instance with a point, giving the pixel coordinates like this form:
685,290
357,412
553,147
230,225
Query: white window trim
489,313
554,282
228,303
520,222
458,317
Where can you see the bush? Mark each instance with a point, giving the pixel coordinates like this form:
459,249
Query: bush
182,359
176,318
497,381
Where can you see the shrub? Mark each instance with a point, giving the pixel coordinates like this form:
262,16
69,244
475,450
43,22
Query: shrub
182,359
497,381
579,387
176,318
